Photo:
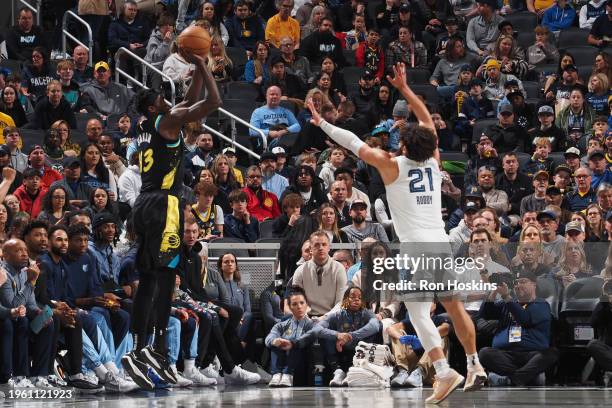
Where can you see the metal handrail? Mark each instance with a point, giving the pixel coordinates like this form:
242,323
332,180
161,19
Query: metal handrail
235,118
119,71
230,140
28,5
66,33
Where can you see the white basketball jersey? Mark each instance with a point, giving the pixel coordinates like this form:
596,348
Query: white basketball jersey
415,201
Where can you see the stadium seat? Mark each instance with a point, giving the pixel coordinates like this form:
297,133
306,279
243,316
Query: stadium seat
572,37
545,70
288,140
267,253
454,156
78,136
428,91
522,158
352,74
525,39
111,121
557,158
349,56
579,299
549,289
242,90
480,126
238,57
265,229
243,253
240,108
418,76
523,21
31,137
584,55
12,65
82,118
585,71
532,88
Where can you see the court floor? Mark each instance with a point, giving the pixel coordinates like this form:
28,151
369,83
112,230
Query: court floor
262,396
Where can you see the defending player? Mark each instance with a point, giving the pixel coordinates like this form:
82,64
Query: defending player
158,217
413,184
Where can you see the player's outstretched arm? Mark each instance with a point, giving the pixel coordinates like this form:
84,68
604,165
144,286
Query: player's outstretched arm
418,107
376,157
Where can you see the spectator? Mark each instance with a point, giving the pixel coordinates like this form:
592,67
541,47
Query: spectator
511,60
244,28
496,81
129,182
461,233
211,19
99,202
260,203
547,130
291,206
346,174
336,79
406,49
104,235
37,161
595,221
12,138
496,199
70,88
514,182
240,223
574,232
273,119
600,347
289,342
539,160
130,31
572,159
323,43
282,24
93,130
543,51
179,70
256,69
52,145
202,157
576,120
551,241
558,17
583,195
111,160
333,162
360,228
158,45
208,216
36,75
10,106
471,109
295,64
559,91
24,37
363,98
83,72
17,295
448,68
219,63
290,85
601,175
482,31
226,177
314,21
106,97
55,205
77,191
562,178
518,356
357,35
305,183
536,201
272,181
505,135
52,108
371,55
572,263
589,13
338,199
93,171
602,64
601,31
599,93
322,278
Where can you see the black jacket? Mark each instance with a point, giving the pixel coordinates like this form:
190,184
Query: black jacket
19,45
46,114
601,320
516,190
319,45
512,138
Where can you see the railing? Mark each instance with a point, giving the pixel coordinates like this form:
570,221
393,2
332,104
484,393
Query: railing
120,72
66,33
235,119
35,10
232,141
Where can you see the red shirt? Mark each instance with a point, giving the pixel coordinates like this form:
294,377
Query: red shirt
49,177
32,206
268,208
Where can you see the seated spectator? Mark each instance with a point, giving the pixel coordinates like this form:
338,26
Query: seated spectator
305,183
572,263
371,55
539,161
77,191
383,103
289,341
322,278
12,139
261,203
595,221
290,85
600,348
219,63
14,80
406,49
521,347
576,120
179,70
24,37
333,162
130,182
52,108
282,24
52,145
599,93
83,72
505,135
130,31
338,199
323,43
106,97
158,45
70,88
496,199
295,64
273,119
347,174
111,160
448,68
536,201
19,279
212,20
552,242
291,206
461,233
360,228
99,202
539,7
55,205
314,21
584,194
482,31
244,28
93,130
601,175
341,331
226,177
208,216
547,129
543,51
354,37
36,75
93,171
473,108
240,223
363,97
9,105
328,222
589,13
256,70
511,60
31,193
105,234
496,81
602,64
558,92
558,17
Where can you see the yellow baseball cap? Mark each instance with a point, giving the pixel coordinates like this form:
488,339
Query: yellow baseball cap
492,63
101,64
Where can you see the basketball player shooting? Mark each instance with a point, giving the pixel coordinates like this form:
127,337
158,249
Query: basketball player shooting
158,217
413,186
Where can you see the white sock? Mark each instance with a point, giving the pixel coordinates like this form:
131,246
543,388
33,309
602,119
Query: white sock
110,366
441,366
101,371
472,360
189,365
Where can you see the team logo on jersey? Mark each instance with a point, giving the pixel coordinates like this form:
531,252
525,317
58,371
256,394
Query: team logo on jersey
268,202
170,240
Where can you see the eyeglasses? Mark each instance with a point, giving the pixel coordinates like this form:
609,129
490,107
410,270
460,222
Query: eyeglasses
581,176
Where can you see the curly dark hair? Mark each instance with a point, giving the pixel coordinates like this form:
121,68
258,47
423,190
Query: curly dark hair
420,143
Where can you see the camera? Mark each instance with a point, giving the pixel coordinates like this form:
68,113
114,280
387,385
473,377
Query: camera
499,278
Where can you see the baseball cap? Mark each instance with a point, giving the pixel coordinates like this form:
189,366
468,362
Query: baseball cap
572,150
34,148
526,274
516,92
4,149
470,206
404,8
596,153
546,110
506,108
562,167
546,214
379,129
70,161
358,202
570,67
229,150
473,191
552,190
540,173
101,64
492,63
102,218
574,226
368,75
465,67
475,82
279,150
267,156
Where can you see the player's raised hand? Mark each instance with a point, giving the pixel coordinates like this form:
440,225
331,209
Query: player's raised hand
316,118
399,76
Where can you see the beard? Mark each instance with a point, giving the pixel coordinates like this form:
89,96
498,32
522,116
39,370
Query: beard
57,251
358,219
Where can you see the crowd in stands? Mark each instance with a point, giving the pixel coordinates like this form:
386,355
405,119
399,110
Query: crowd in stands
523,117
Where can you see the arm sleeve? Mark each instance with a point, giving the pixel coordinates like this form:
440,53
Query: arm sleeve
294,125
535,313
246,299
382,234
470,37
274,334
490,310
370,329
256,121
324,332
114,42
344,138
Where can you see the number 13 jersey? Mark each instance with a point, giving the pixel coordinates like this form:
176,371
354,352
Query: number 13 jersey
415,201
161,160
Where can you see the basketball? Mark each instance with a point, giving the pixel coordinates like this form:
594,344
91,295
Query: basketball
195,39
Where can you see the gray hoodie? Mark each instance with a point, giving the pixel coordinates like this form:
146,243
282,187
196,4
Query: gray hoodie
107,100
157,49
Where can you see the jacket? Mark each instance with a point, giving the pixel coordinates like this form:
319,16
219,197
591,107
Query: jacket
555,18
81,193
511,138
562,120
122,34
236,228
360,325
19,45
46,114
319,45
542,55
106,100
157,49
244,33
32,206
285,330
371,59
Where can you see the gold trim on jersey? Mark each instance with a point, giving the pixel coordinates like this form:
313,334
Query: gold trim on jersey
170,237
168,180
